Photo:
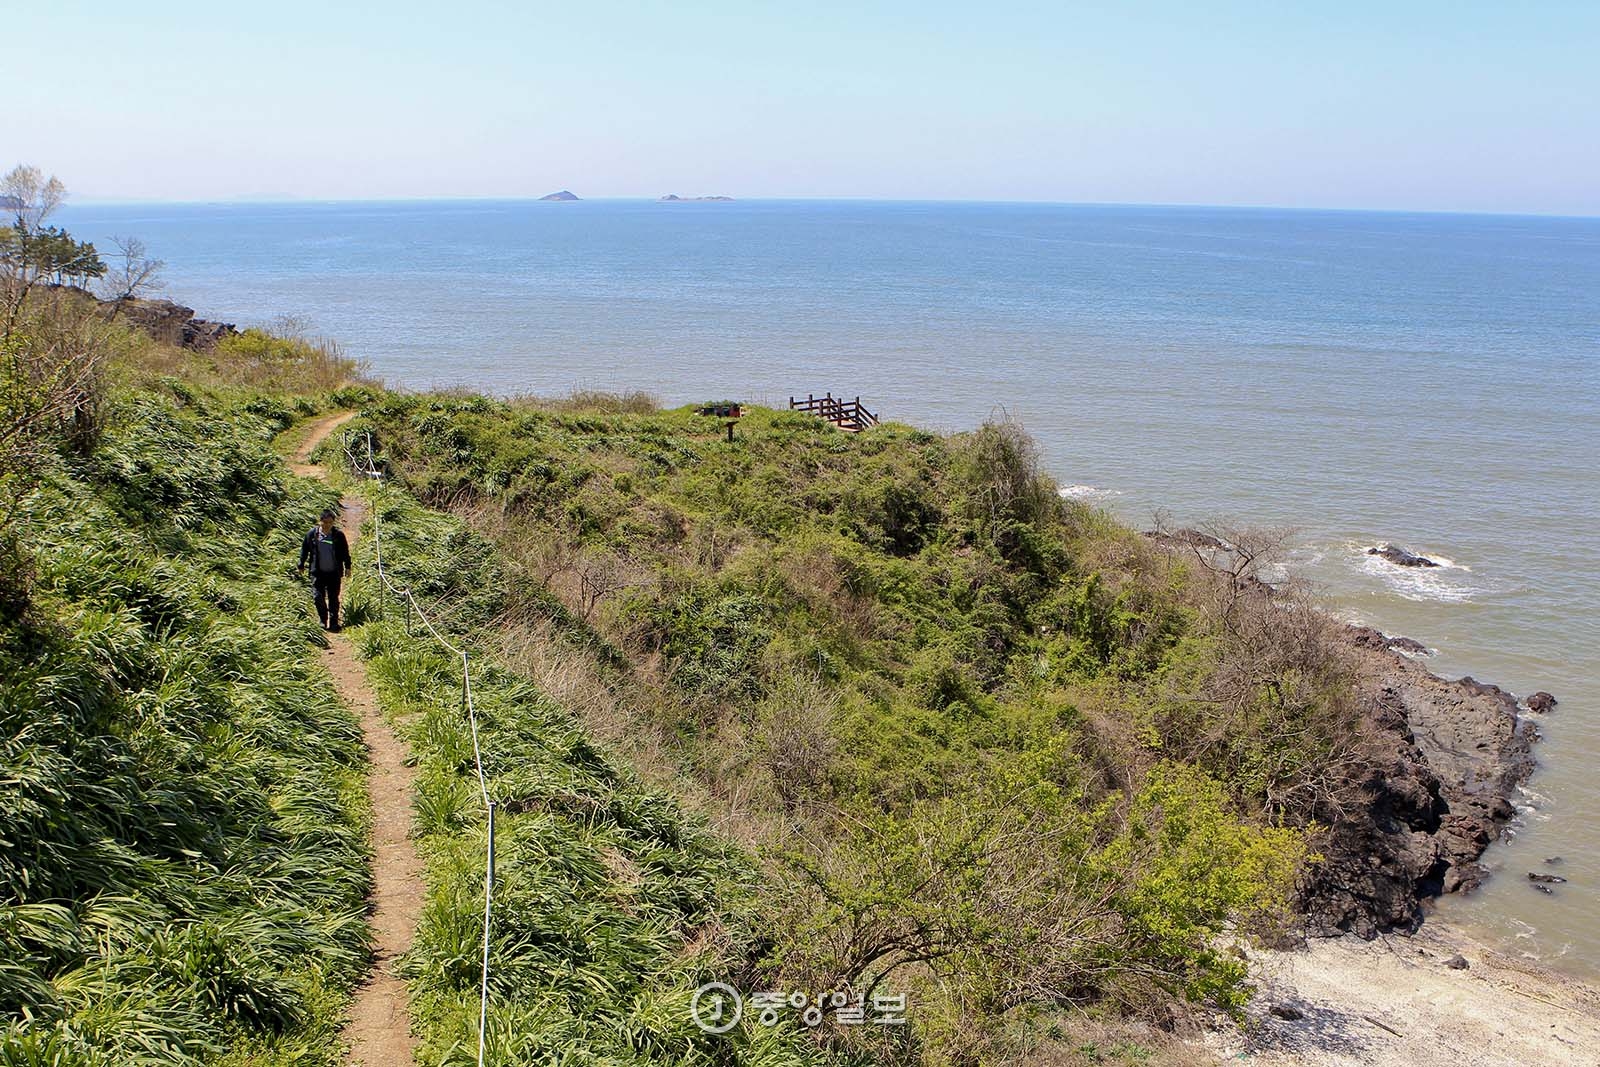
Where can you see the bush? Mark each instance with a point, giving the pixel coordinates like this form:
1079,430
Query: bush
263,359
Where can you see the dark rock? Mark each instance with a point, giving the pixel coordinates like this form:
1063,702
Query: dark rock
1368,637
1193,538
1495,698
1197,539
1401,557
1463,878
1541,702
1552,878
1555,861
172,323
1546,890
1287,1011
1443,760
1458,962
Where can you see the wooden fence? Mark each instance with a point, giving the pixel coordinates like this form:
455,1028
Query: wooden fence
845,414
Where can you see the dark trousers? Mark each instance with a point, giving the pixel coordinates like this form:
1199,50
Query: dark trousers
326,595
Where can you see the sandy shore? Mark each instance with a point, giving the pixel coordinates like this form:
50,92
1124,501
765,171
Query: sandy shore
1393,1002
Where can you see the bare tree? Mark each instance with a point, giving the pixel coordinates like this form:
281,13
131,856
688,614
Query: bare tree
133,274
51,351
598,578
29,198
1235,556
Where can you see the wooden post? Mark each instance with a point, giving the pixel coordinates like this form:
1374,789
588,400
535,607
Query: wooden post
730,432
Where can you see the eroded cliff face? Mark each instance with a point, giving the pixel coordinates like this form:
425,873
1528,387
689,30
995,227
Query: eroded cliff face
1445,759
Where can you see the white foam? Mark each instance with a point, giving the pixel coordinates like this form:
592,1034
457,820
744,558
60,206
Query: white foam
1275,573
1534,797
1088,492
1443,584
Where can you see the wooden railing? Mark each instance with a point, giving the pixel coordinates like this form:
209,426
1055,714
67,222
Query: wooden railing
845,414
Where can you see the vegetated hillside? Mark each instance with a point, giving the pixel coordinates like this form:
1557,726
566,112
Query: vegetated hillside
993,750
182,869
611,905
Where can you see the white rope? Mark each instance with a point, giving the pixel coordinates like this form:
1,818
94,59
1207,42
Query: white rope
369,470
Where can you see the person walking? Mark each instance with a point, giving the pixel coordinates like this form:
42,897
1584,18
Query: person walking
326,549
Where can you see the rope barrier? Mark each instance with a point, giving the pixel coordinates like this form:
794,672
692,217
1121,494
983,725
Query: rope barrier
369,471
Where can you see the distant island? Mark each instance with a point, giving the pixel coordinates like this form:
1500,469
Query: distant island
674,198
565,194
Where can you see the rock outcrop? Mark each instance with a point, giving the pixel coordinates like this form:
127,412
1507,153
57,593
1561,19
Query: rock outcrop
1445,759
165,320
173,323
1541,702
563,195
1401,557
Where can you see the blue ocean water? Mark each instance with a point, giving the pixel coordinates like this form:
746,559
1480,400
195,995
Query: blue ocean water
1432,380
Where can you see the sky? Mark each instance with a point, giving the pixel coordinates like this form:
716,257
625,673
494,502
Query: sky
1459,106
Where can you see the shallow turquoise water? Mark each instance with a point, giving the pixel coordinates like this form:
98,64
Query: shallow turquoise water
1428,379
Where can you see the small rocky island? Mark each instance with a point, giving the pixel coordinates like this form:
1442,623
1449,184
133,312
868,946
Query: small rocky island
674,198
563,195
1401,557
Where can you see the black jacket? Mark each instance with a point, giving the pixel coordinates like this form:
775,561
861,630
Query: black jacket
341,550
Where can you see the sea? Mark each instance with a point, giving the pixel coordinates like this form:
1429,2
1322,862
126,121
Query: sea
1431,380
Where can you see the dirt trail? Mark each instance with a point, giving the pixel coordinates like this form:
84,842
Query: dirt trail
379,1032
317,431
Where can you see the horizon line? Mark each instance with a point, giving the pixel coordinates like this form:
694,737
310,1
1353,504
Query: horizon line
288,200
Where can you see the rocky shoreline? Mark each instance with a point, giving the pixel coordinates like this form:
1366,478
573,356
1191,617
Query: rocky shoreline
1446,758
1441,761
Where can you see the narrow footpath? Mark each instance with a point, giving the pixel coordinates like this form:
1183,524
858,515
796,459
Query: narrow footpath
379,1032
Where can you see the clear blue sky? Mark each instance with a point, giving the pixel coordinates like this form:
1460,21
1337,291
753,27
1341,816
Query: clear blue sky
1463,105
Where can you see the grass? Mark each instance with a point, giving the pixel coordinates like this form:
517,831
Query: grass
183,868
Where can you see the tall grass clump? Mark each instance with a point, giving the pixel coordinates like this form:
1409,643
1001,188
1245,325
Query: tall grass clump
182,866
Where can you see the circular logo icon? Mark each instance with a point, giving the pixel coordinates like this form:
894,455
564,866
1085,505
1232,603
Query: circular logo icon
716,1007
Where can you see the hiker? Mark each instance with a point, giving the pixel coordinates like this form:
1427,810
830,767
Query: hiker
329,555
